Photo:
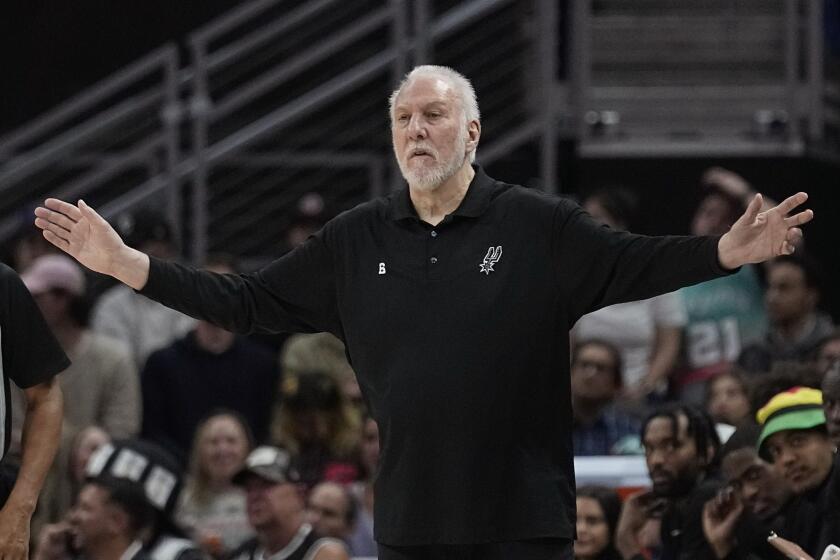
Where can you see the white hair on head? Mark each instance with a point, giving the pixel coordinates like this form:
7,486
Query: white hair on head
462,86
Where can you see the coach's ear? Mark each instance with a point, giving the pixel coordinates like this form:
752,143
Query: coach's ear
473,135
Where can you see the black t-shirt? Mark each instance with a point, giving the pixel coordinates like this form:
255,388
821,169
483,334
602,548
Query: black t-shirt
30,352
458,334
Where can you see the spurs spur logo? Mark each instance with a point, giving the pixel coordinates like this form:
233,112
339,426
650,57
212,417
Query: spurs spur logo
492,257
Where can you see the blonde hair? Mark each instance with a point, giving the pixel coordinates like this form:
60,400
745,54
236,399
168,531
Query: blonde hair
197,488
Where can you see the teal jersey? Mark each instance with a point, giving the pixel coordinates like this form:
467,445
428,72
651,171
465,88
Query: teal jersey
724,315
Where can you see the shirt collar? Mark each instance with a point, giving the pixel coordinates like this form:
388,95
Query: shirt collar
475,203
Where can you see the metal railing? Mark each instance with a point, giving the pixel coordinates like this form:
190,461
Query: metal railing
727,77
124,126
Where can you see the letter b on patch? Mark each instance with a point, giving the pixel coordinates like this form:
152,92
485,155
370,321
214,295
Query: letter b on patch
382,268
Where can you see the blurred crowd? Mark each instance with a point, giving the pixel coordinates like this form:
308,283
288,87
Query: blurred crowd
729,389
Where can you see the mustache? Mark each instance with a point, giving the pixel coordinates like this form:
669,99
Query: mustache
661,472
425,147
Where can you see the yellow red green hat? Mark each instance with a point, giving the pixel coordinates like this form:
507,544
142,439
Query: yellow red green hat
798,408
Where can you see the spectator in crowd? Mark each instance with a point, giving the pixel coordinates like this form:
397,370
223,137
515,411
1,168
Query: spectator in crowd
60,490
761,488
831,403
361,540
727,398
647,333
157,473
681,445
756,495
794,439
321,352
100,387
331,511
141,324
599,427
141,479
597,516
725,314
796,325
315,424
108,522
828,352
276,512
209,368
212,508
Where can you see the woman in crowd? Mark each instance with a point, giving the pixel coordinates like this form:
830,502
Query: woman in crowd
727,398
315,423
597,515
212,509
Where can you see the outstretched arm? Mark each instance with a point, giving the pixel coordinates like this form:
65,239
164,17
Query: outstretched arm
87,237
759,236
295,293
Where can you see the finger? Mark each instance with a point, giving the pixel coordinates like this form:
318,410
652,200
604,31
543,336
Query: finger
57,241
55,229
753,208
48,216
799,219
92,215
793,235
64,207
792,202
787,248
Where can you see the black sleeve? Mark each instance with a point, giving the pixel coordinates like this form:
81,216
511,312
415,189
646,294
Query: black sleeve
31,354
295,293
694,545
598,266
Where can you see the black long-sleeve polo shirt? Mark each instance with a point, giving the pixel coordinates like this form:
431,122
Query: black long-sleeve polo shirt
458,334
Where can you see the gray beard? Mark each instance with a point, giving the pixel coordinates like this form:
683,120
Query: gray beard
430,179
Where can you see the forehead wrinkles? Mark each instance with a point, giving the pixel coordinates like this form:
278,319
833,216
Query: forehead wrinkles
427,90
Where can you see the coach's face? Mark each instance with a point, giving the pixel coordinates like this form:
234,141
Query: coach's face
430,133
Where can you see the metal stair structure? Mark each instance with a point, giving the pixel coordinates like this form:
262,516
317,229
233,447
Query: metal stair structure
278,98
707,77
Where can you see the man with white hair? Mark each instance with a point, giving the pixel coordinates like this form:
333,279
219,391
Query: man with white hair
454,297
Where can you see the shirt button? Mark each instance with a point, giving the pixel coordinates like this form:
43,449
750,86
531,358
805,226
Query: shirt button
433,260
434,233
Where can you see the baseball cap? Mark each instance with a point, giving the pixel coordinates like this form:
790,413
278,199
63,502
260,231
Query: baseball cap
798,408
269,463
54,272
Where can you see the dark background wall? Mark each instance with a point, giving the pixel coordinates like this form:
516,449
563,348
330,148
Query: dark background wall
51,49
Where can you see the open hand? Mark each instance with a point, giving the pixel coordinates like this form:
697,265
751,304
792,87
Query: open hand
759,236
80,232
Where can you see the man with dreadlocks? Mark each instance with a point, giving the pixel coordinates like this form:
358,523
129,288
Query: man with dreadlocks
681,447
